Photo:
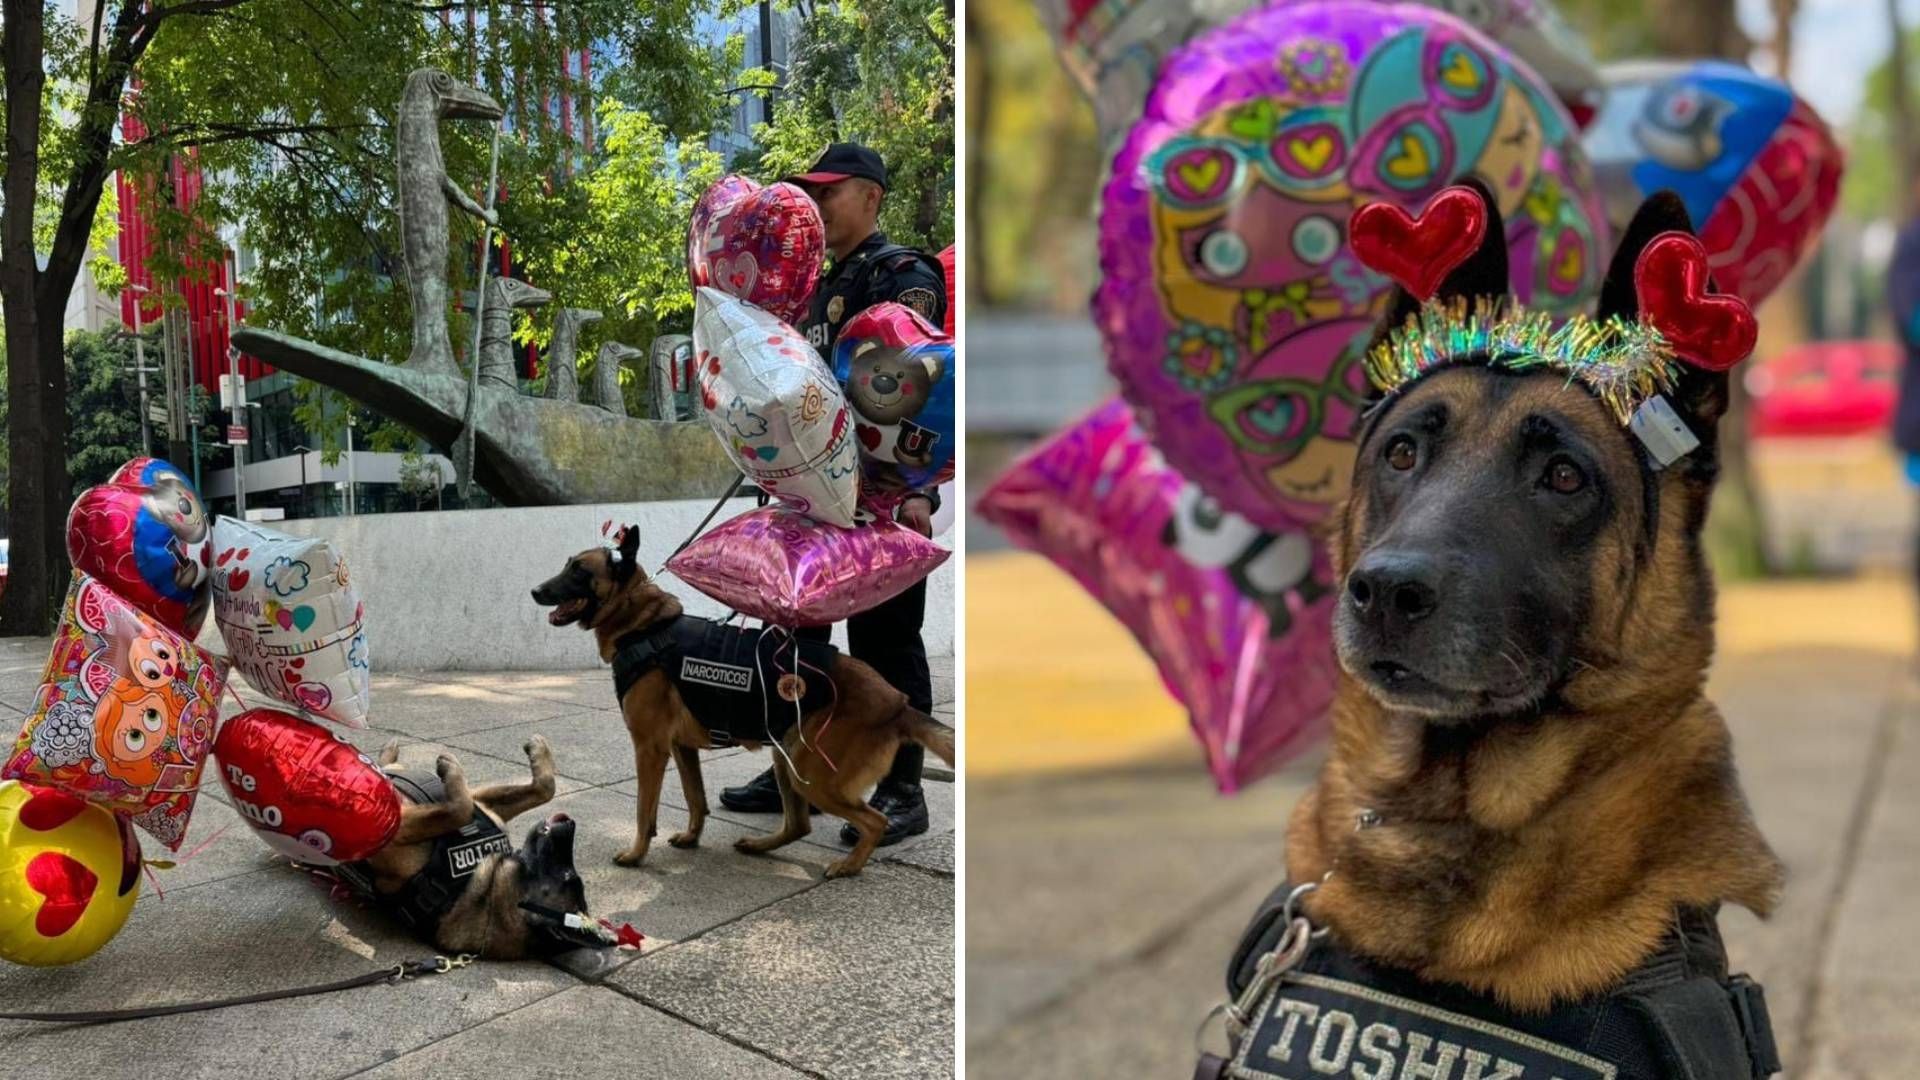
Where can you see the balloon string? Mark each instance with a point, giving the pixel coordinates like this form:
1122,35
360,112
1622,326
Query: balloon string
832,703
766,718
203,844
154,879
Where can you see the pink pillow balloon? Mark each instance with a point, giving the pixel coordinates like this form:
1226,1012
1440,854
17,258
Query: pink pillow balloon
789,570
1239,620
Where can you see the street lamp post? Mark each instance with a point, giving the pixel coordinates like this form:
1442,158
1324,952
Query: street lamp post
239,417
140,369
303,451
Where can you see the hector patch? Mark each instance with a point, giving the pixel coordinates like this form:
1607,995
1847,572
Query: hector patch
463,859
1311,1026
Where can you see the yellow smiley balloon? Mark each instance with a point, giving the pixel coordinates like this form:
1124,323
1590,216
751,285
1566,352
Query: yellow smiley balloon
69,874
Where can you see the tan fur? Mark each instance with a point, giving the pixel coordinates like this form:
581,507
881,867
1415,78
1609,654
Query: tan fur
487,918
847,747
1542,860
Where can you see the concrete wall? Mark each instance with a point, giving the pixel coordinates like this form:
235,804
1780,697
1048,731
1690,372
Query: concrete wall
448,590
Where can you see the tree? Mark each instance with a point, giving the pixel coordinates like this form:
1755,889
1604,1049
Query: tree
283,109
878,72
615,238
103,411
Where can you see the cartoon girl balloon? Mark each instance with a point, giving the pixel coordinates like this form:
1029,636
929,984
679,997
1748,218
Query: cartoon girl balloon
1233,312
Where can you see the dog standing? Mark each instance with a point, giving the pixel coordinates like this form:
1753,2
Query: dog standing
830,758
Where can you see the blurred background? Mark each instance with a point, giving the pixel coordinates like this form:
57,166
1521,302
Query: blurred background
1107,880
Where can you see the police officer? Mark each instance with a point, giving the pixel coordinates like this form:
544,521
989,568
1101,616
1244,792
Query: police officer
849,182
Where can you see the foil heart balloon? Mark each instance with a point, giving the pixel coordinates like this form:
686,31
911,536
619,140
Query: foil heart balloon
310,796
789,570
1232,305
899,374
146,534
764,245
1239,620
1757,167
775,407
69,875
708,210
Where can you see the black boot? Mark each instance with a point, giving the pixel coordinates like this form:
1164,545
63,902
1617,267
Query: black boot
760,795
905,807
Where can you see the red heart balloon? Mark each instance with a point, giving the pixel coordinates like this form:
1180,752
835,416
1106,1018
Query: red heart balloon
702,244
766,247
308,795
1706,330
1420,252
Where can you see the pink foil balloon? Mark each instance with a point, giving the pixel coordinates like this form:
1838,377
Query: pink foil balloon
1232,308
702,242
1238,620
789,570
765,246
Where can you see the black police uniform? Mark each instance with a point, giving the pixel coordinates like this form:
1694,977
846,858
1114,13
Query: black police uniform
874,273
886,636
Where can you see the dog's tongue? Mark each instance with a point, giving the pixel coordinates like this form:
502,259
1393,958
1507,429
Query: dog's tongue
560,615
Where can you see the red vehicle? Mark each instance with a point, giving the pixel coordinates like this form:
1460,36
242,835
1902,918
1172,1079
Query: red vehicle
1826,389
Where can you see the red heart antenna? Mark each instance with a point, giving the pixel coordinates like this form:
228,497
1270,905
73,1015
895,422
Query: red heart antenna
1420,252
1706,329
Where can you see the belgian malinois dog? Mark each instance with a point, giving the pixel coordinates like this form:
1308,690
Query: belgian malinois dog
832,757
1526,779
491,896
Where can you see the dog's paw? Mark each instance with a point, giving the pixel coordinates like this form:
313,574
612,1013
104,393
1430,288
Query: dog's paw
687,839
390,753
752,845
537,750
630,857
844,868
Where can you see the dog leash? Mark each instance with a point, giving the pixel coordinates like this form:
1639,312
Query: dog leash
739,478
401,972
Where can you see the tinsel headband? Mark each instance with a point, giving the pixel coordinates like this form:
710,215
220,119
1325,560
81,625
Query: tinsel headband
1622,362
1450,262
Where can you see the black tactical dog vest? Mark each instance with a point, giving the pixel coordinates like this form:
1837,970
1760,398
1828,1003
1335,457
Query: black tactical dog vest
730,678
1679,1016
428,895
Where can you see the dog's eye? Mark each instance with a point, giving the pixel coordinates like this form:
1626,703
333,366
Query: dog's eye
1401,453
1564,476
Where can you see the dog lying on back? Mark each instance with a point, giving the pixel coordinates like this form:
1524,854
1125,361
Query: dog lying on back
452,874
830,757
1528,786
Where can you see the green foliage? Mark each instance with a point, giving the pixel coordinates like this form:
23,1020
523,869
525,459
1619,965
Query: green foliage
1871,187
615,238
103,410
878,72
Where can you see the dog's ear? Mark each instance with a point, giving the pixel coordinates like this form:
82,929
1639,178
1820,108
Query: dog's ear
624,566
1480,275
1663,212
1702,393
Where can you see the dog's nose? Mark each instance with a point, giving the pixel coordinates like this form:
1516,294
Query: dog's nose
1394,588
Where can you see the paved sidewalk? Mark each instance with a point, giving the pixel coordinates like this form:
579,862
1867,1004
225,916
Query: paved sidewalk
754,966
1104,895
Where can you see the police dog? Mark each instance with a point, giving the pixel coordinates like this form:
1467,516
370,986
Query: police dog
487,917
847,747
1526,781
